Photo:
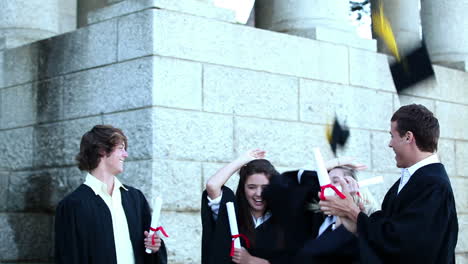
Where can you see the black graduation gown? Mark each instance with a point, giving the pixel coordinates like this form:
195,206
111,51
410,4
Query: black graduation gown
337,246
216,236
84,233
419,225
289,198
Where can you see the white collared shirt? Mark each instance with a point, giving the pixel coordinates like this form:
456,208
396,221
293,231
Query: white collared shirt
214,205
408,172
123,244
329,220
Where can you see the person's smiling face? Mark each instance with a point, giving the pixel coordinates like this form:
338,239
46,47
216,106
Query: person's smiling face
254,186
115,160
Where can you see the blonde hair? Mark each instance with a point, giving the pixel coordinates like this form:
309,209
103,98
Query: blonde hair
365,197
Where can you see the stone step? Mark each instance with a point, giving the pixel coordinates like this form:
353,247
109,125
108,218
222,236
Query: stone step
337,36
191,7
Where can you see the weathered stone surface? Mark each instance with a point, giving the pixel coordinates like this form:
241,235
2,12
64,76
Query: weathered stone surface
462,243
369,69
58,143
16,150
191,7
40,191
282,169
446,153
358,146
179,183
383,157
20,23
406,100
378,191
81,49
243,92
209,169
177,83
183,245
117,87
461,258
17,244
23,14
452,119
64,181
459,190
18,106
4,177
446,86
461,153
2,66
206,137
49,100
136,36
286,143
1,114
85,48
139,132
25,189
450,84
339,37
139,174
349,103
20,65
205,40
428,88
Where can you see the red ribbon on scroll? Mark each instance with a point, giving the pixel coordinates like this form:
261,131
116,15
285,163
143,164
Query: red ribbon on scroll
247,242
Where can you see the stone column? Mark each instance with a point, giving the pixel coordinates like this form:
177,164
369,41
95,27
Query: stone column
25,21
445,30
316,19
405,19
85,7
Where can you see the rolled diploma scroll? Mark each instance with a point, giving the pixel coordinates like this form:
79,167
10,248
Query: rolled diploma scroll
370,181
233,223
322,173
155,217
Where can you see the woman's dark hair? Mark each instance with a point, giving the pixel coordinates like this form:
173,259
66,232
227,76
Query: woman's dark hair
96,143
246,225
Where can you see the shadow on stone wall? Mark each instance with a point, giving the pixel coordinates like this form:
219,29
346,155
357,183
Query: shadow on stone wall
31,219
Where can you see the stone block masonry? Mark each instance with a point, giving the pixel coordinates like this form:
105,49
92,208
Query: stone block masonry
192,91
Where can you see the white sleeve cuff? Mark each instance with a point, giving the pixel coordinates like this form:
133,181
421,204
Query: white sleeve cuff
214,205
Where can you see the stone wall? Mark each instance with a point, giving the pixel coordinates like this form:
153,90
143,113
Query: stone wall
192,90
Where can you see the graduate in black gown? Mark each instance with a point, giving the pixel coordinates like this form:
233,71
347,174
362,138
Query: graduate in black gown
104,221
334,243
418,221
254,218
310,235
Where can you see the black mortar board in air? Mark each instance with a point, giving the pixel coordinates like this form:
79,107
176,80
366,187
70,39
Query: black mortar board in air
337,136
413,68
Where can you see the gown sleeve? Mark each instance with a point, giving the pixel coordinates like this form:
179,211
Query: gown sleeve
421,225
70,245
216,236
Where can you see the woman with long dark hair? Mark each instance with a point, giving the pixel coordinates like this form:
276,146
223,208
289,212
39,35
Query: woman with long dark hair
254,219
